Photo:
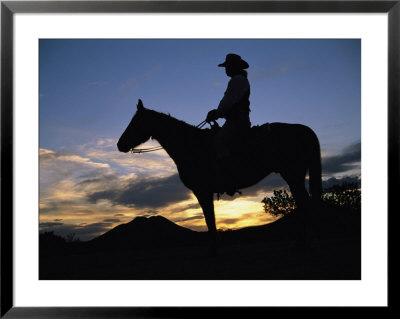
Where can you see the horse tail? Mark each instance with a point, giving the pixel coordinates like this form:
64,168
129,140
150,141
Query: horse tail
315,170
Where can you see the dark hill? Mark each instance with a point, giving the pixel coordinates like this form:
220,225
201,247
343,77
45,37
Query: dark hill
143,232
156,248
158,232
328,223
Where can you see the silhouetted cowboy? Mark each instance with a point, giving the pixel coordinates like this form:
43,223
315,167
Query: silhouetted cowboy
234,107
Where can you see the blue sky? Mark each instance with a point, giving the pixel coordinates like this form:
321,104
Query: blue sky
88,94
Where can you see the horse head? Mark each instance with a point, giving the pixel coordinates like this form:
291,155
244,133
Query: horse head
137,131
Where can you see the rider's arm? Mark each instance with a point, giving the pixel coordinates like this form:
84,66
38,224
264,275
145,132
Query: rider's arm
237,87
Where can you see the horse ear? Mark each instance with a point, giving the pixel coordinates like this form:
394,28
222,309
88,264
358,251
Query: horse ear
140,105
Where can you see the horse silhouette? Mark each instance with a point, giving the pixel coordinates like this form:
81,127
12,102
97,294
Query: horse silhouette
288,149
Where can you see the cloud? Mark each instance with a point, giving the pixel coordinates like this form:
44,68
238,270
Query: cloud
195,217
98,183
81,231
260,74
50,225
133,82
336,181
90,188
105,150
228,221
129,84
180,208
268,184
62,166
280,69
97,83
76,187
145,192
52,207
349,159
151,212
112,220
159,162
45,155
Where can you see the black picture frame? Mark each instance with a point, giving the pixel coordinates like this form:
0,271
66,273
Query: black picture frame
9,8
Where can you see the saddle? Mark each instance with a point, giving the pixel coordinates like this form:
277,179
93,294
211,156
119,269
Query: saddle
251,139
244,147
248,140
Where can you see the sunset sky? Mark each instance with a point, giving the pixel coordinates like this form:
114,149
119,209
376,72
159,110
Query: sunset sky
88,94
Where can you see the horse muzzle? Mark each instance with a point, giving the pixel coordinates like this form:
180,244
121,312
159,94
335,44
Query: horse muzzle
123,148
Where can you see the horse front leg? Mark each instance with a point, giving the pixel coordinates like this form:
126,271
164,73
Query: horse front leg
206,202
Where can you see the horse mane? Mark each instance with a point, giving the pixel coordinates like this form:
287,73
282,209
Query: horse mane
179,124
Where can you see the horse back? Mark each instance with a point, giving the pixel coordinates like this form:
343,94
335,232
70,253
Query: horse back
288,133
292,141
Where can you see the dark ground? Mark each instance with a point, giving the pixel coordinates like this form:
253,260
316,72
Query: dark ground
155,248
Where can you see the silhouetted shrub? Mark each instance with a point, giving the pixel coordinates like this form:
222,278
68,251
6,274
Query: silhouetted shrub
48,241
70,238
345,195
281,203
50,237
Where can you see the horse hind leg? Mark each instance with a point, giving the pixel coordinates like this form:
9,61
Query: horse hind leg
206,201
296,182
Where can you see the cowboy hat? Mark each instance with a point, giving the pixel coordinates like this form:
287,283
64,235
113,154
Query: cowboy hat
234,60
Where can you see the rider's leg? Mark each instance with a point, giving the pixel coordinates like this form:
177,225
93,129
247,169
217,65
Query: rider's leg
225,168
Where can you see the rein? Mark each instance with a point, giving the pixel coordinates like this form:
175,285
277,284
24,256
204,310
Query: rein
153,149
145,150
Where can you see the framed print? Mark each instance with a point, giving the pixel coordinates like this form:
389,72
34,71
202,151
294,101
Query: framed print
173,158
